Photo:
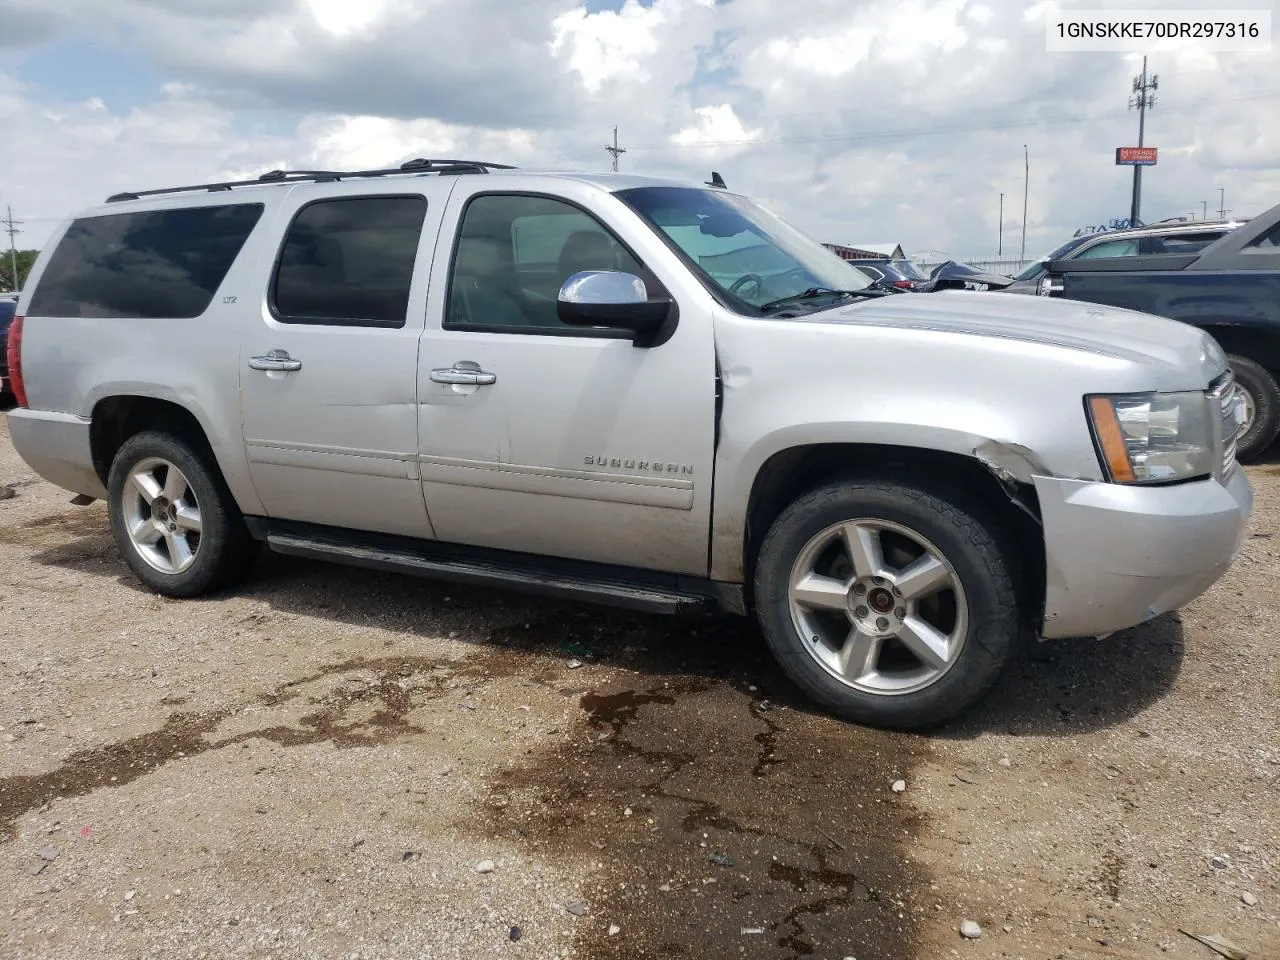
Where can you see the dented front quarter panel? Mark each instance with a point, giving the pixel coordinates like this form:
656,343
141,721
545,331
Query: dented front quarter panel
1011,398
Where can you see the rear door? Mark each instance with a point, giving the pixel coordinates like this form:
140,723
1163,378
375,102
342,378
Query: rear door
328,365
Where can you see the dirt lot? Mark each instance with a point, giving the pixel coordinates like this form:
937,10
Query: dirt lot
319,764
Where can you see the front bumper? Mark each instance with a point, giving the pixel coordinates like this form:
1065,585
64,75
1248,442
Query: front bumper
1119,555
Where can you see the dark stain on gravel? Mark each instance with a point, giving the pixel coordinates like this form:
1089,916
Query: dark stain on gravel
722,823
398,685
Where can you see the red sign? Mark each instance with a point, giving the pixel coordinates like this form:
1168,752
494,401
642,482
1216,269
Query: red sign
1136,156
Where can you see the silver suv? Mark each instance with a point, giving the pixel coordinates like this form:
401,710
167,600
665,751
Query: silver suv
627,390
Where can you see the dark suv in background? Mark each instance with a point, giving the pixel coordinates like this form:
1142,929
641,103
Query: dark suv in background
8,306
1182,237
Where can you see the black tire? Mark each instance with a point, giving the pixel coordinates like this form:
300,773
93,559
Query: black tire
964,540
1257,381
225,549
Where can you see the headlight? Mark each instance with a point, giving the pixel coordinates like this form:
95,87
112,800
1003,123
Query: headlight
1153,437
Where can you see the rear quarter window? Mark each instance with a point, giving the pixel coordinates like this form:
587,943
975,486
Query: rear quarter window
148,265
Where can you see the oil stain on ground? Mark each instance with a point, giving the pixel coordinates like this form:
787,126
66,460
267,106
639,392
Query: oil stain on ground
720,817
393,686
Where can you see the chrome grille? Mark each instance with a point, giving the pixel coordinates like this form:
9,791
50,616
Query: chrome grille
1224,393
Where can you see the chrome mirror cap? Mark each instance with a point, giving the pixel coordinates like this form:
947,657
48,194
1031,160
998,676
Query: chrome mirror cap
603,287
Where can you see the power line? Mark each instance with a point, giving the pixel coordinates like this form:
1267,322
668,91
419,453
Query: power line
903,133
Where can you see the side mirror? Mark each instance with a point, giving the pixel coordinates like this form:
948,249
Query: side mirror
611,298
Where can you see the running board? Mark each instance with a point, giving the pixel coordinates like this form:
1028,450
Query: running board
503,574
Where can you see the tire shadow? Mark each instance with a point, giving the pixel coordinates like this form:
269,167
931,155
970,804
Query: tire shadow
1053,688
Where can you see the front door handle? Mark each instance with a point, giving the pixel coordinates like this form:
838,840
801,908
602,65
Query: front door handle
275,360
464,372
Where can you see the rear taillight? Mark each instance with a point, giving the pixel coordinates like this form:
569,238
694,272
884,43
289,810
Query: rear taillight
903,284
13,356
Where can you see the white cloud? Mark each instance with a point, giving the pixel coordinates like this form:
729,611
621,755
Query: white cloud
862,120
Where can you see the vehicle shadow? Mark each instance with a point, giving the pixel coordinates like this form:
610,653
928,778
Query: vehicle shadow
1054,688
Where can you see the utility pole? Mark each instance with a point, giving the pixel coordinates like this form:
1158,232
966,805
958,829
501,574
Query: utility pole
1222,203
1143,99
1204,209
11,228
1000,242
615,149
1026,185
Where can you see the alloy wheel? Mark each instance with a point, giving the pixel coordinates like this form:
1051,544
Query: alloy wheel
878,606
161,515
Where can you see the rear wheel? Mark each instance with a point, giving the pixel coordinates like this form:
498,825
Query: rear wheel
1261,405
173,518
886,604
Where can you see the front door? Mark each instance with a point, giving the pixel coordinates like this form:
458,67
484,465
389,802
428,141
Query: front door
542,438
328,371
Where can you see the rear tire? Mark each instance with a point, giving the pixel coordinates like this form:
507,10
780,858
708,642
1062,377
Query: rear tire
886,604
1263,395
173,518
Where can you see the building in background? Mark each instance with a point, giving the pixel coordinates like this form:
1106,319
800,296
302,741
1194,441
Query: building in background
867,251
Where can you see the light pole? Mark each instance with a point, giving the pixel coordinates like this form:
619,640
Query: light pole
1026,186
1204,209
1000,242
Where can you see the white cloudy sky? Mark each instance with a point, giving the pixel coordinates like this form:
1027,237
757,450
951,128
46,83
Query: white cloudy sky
859,120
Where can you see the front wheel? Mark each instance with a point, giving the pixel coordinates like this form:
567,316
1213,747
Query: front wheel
886,604
1261,407
173,518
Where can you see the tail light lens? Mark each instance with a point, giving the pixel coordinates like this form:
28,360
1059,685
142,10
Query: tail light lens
13,356
904,284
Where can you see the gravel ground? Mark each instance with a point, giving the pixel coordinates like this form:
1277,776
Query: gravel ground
321,763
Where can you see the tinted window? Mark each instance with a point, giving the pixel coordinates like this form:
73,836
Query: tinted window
1270,239
515,252
160,263
1111,248
349,262
1185,242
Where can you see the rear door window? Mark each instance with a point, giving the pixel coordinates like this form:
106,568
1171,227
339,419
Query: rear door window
349,262
152,264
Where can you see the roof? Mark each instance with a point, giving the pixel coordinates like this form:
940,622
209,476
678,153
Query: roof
886,250
1168,227
324,181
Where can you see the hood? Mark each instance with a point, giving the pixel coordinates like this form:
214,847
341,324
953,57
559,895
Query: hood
1075,325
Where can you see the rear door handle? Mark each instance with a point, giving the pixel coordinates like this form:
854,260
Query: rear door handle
275,360
464,372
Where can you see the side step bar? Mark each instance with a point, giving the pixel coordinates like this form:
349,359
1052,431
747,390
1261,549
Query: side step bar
578,585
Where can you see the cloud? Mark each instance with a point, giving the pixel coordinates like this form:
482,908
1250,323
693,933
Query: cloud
854,119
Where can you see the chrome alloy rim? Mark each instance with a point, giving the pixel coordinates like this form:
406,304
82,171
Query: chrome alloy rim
161,515
878,606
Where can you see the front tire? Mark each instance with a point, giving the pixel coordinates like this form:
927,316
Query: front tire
886,604
1262,402
174,519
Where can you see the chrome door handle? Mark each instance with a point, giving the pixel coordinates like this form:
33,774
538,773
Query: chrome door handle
464,372
275,360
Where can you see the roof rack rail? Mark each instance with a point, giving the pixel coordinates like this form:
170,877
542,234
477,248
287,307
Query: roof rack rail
417,165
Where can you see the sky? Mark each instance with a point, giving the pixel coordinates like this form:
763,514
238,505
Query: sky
860,121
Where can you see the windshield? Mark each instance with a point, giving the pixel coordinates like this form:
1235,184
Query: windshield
1036,267
752,257
908,269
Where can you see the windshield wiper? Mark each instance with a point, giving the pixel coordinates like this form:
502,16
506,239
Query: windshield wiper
814,293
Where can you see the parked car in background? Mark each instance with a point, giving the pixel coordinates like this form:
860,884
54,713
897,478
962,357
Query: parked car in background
627,390
1181,237
8,307
1229,287
891,274
957,275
